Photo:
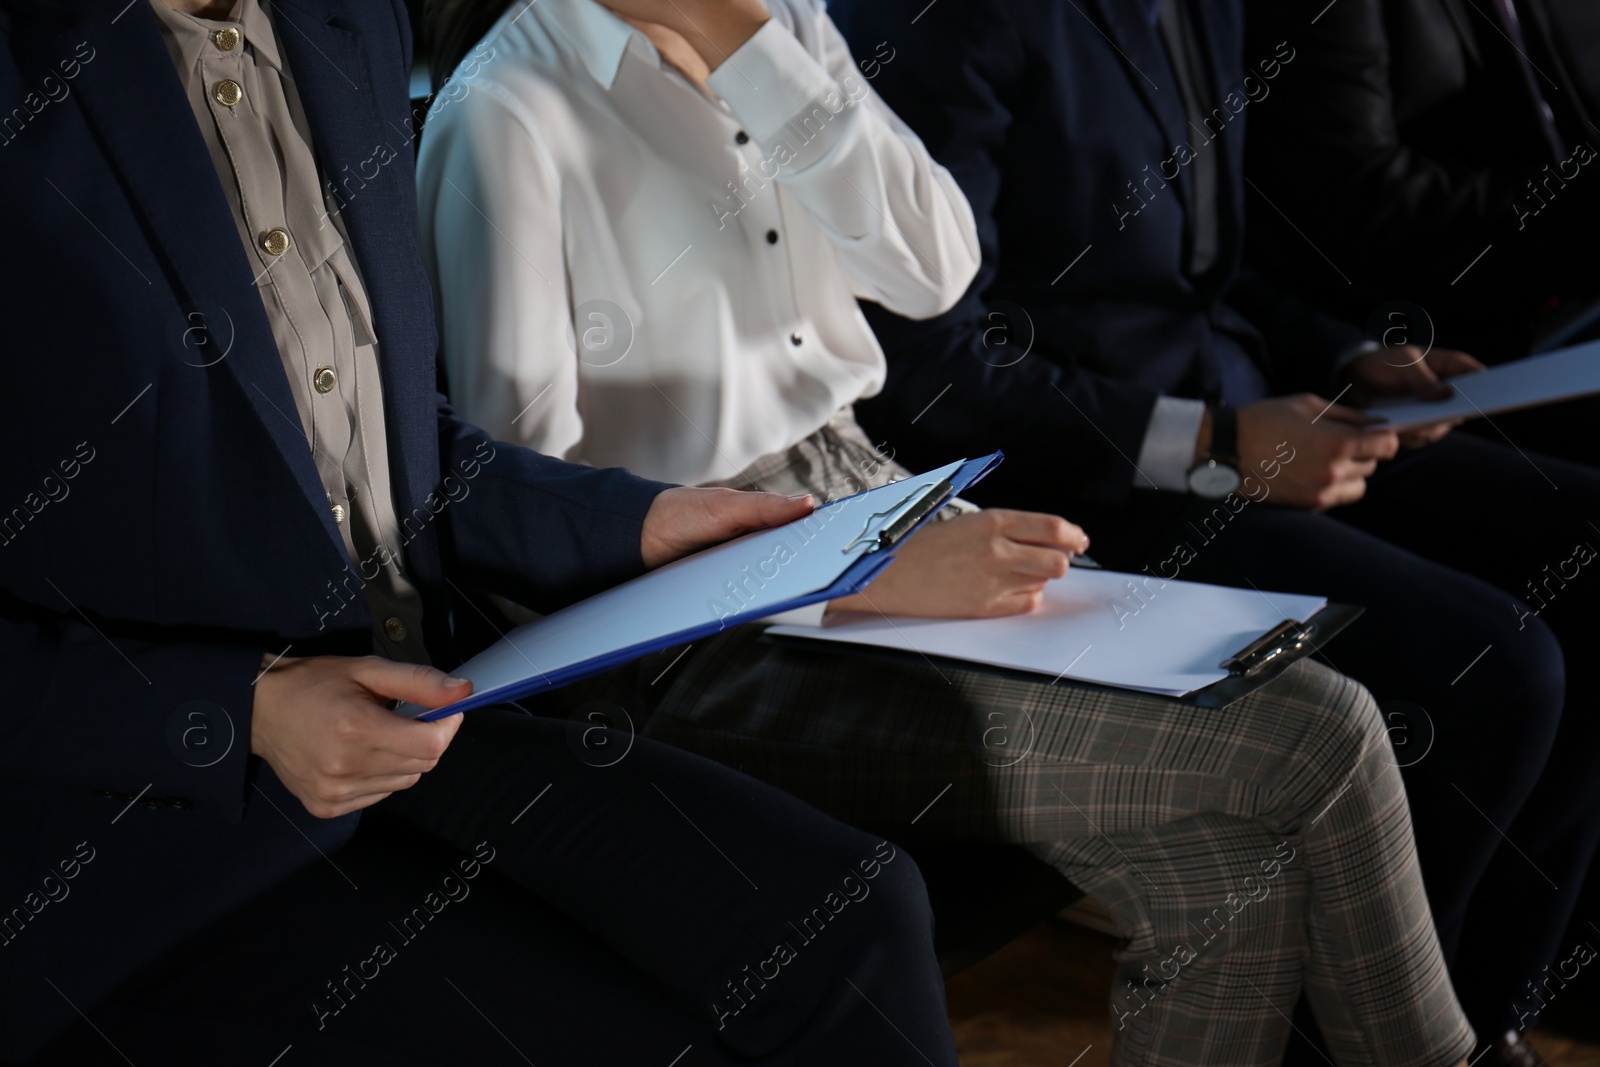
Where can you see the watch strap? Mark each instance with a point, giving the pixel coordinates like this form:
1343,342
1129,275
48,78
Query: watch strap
1224,435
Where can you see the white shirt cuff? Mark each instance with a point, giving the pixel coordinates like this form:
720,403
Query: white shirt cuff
771,79
957,506
1349,356
1169,440
807,616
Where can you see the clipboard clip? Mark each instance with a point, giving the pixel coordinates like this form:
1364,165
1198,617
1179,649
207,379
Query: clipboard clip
901,518
1288,638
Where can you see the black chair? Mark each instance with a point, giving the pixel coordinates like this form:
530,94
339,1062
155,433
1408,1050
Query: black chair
985,896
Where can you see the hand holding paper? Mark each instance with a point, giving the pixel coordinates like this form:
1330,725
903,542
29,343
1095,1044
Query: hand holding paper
1410,371
323,726
1307,452
1523,383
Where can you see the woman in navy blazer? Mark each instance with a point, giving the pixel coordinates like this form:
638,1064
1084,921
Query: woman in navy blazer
165,534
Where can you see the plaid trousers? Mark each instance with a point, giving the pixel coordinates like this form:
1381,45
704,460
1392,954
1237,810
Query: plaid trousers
1247,852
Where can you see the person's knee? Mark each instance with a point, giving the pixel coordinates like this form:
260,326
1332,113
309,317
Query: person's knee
1496,714
1340,720
1327,727
1523,672
893,873
881,880
862,920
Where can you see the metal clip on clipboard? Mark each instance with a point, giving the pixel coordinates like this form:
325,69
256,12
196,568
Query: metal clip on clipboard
1270,655
1290,638
902,517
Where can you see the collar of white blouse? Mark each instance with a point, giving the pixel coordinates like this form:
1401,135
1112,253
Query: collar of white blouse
601,39
598,36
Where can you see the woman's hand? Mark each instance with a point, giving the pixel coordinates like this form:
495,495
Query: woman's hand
990,563
686,519
323,725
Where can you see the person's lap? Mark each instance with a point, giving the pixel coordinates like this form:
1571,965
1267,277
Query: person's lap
865,737
1157,807
1566,430
1525,522
493,976
1472,686
619,901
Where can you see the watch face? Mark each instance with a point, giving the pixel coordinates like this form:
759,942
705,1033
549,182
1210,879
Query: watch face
1213,480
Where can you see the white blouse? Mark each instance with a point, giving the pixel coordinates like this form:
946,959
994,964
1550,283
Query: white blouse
631,272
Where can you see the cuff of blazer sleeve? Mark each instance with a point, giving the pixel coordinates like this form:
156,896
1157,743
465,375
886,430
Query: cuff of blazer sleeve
771,79
616,550
1347,357
183,742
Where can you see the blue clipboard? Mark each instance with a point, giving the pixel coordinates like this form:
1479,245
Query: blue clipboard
835,551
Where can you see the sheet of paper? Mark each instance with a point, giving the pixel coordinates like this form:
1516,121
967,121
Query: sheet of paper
1133,631
747,578
1523,383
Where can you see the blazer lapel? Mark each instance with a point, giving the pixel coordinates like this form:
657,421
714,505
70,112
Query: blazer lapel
1463,25
1125,24
1569,105
135,103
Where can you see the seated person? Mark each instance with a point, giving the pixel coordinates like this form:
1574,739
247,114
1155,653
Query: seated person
1409,138
208,599
649,224
1438,154
1148,390
1575,30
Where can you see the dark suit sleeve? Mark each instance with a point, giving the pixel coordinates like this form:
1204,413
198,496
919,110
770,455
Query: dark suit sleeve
541,531
1328,149
955,383
152,716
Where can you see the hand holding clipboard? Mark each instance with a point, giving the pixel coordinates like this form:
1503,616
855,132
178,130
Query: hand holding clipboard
833,552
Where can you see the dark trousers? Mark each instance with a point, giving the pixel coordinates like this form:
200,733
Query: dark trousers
1504,788
1566,430
559,894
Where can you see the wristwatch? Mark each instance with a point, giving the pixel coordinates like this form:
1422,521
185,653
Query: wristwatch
1217,473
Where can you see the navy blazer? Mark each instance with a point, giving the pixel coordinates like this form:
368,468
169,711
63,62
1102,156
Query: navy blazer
1062,123
162,526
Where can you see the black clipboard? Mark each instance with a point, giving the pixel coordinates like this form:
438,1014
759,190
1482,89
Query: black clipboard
1269,655
1249,668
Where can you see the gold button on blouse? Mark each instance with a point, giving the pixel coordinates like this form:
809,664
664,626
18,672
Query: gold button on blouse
323,380
338,514
227,92
226,39
395,629
275,242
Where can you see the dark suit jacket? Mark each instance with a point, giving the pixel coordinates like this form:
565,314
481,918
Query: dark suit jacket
1401,143
1060,122
1575,25
161,522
